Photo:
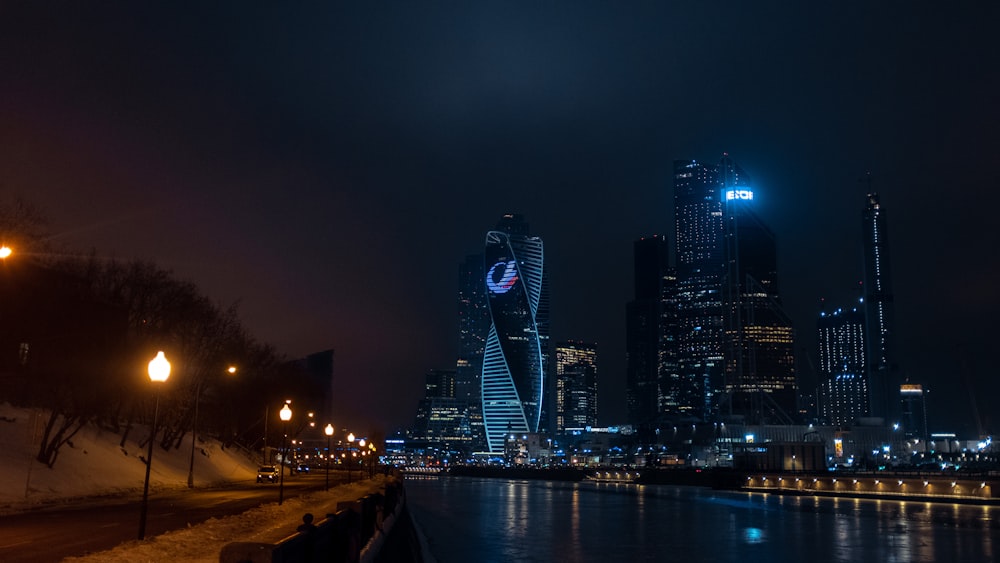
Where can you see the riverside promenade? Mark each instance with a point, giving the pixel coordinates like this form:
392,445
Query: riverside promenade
980,488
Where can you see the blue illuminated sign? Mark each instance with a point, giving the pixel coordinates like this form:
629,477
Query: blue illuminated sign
507,279
739,194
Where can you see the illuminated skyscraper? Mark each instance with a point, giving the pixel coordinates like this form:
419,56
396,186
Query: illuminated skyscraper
843,391
883,374
735,345
700,267
760,355
576,385
842,342
515,360
842,399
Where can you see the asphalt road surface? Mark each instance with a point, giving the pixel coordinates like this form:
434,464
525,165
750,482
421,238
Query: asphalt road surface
97,525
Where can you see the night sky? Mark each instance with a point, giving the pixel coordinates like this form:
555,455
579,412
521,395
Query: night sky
328,167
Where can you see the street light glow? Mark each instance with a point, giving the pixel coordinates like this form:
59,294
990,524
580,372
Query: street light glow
285,414
328,430
5,251
159,371
159,368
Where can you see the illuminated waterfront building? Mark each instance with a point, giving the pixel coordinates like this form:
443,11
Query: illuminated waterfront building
516,353
576,385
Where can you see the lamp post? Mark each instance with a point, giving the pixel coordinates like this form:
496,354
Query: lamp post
286,415
329,433
159,371
194,427
350,442
361,458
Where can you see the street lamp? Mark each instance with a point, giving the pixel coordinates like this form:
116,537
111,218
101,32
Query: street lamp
350,442
194,428
159,371
286,415
5,251
361,459
329,433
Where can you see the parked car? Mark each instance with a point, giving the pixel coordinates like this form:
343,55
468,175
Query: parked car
267,473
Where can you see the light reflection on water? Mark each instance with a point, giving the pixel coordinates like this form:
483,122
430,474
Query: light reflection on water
487,520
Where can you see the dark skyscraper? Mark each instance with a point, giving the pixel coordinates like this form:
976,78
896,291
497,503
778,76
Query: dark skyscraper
473,326
883,373
735,345
648,333
914,410
516,355
439,384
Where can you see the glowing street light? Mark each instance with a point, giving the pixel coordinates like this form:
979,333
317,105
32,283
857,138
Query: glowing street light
286,415
159,371
5,252
329,433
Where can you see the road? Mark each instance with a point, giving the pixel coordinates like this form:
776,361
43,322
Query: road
80,529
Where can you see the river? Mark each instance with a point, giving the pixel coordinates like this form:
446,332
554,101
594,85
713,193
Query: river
493,520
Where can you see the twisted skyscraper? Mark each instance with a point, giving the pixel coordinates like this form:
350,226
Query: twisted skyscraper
514,363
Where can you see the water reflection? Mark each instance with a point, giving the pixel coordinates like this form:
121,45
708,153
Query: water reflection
575,525
486,520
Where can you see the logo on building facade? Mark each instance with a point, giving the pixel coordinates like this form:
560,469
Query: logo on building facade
507,279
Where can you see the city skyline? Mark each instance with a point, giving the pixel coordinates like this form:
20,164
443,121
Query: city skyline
326,169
